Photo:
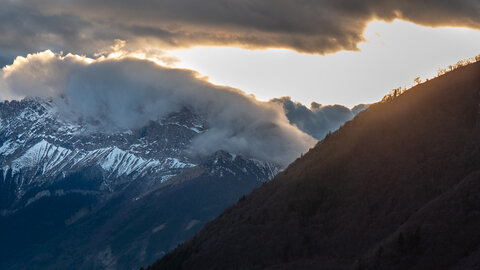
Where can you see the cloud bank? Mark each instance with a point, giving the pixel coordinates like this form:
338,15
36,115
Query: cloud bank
322,26
126,93
317,120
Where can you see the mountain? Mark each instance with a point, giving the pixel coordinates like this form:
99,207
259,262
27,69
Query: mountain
395,188
318,120
76,197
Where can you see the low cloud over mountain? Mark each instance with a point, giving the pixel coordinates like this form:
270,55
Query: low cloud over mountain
126,93
319,119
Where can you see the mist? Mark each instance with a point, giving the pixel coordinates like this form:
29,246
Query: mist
126,93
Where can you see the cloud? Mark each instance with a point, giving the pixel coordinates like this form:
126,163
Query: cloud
318,120
323,26
126,93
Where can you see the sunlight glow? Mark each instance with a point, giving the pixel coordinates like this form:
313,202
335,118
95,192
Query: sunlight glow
392,56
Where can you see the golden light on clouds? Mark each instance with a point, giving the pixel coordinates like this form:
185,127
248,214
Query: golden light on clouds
392,55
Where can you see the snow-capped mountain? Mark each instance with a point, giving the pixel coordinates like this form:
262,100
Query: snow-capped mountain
60,178
38,146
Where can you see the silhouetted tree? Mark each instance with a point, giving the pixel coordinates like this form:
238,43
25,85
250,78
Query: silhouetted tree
417,80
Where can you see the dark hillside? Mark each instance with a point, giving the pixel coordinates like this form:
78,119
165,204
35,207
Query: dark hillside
396,188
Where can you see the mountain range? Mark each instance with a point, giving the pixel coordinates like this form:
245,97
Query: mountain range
64,186
76,196
395,188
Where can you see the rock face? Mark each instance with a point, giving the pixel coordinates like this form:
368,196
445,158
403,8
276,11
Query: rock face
395,188
39,147
73,197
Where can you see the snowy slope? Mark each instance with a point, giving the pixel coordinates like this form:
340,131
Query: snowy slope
86,194
38,147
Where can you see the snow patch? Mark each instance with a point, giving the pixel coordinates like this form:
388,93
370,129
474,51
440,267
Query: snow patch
8,148
159,228
124,163
166,177
196,130
43,154
5,171
192,223
38,196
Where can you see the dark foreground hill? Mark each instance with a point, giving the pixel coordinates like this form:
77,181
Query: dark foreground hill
396,188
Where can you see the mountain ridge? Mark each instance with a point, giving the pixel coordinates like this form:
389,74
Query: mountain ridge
354,189
62,182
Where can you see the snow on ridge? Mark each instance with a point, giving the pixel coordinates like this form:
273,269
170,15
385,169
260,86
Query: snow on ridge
38,143
125,163
43,154
8,147
176,163
48,158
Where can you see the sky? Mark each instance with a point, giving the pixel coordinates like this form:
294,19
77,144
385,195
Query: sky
392,55
329,51
262,72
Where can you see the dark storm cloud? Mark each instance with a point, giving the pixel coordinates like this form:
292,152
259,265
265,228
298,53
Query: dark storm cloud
24,30
5,59
126,93
317,120
320,26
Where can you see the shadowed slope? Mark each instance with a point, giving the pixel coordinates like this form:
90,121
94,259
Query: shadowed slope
391,168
